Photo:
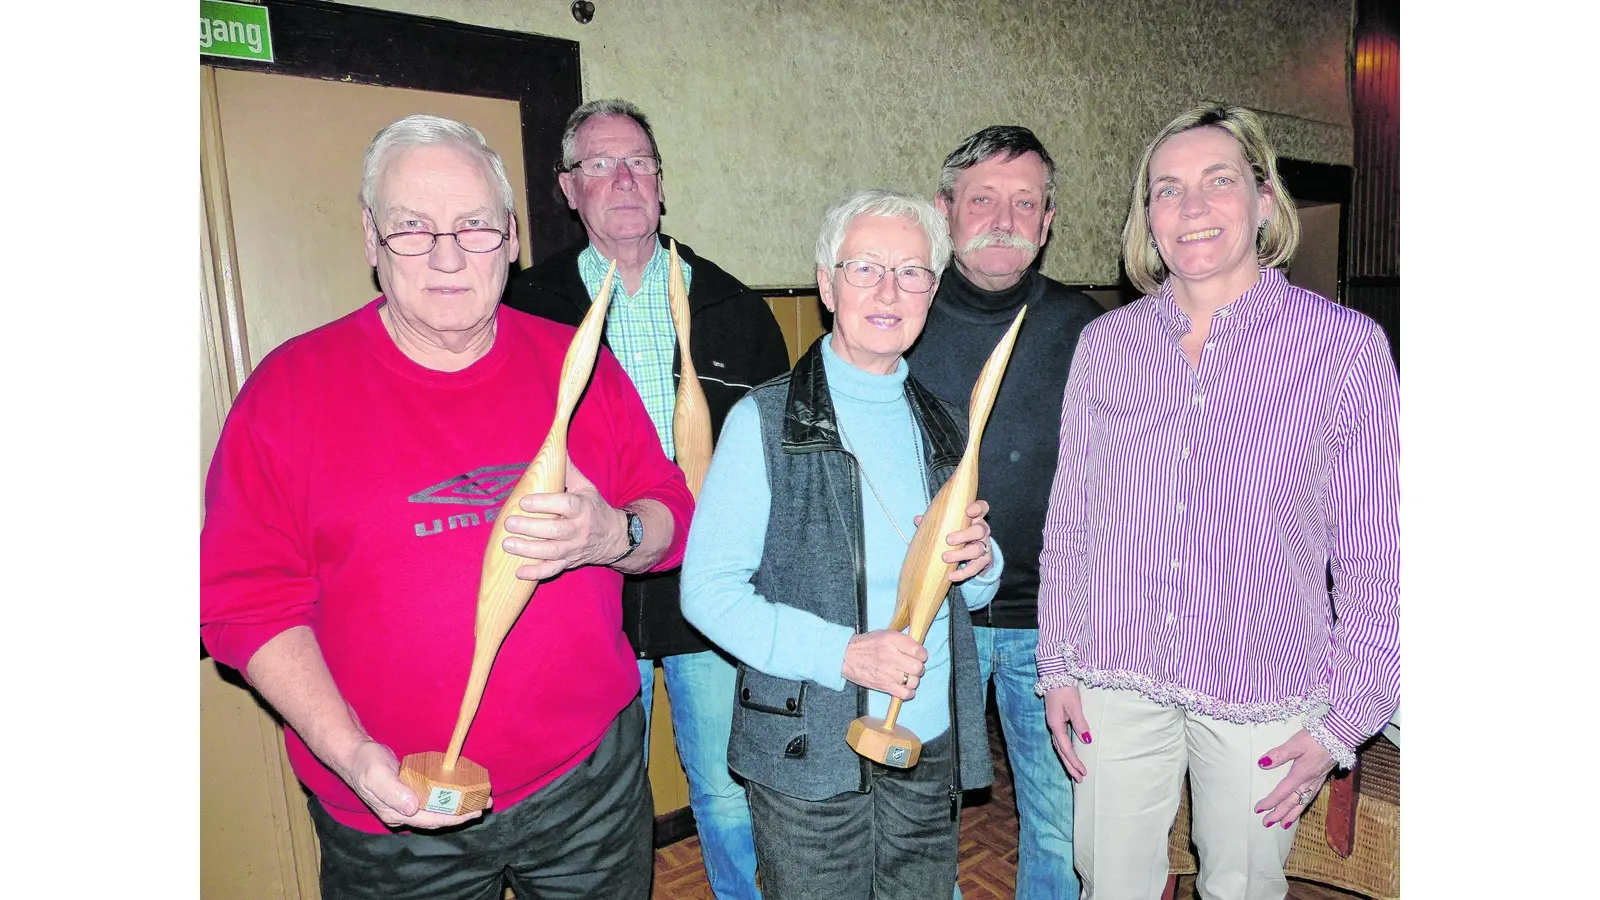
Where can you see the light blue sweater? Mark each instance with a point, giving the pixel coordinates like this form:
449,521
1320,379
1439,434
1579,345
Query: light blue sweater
730,523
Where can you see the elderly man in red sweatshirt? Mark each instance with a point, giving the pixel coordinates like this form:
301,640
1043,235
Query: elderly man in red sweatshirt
347,510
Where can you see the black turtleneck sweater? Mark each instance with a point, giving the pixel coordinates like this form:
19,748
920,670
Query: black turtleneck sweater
1017,461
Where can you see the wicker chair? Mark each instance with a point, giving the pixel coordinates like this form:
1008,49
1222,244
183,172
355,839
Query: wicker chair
1348,839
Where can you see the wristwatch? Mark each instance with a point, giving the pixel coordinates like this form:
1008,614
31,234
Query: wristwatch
635,535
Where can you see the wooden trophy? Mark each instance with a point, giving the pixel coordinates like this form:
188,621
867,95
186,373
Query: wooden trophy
925,576
691,418
446,782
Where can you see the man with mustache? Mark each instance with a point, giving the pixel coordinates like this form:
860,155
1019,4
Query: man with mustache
997,192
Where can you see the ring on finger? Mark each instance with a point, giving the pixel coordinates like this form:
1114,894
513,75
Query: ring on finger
905,679
983,550
1306,795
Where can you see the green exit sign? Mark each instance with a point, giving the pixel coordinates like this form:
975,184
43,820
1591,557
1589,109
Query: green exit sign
237,30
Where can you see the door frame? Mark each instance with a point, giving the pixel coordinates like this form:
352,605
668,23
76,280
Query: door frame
335,42
1324,183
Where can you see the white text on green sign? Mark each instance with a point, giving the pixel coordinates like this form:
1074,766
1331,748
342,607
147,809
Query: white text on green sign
237,30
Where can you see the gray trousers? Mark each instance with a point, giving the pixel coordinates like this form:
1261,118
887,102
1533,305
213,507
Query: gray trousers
586,834
897,841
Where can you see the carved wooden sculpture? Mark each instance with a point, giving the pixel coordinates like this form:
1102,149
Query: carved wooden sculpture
446,782
925,576
691,418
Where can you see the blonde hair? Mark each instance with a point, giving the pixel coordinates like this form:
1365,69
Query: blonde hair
1279,237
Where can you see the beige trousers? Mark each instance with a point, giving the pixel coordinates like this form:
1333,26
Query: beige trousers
1124,807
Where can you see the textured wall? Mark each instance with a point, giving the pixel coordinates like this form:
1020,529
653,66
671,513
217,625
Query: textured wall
767,111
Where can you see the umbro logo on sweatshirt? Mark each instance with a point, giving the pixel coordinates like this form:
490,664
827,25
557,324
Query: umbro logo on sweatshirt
487,486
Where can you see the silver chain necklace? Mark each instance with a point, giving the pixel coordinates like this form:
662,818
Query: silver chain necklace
916,442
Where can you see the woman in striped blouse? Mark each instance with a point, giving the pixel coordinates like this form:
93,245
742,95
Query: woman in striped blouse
1227,442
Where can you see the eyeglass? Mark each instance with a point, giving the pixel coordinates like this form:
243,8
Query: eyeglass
864,274
601,166
421,243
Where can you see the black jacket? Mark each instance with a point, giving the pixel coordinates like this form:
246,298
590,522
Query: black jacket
736,345
1017,463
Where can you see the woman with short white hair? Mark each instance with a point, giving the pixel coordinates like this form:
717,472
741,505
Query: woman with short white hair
792,567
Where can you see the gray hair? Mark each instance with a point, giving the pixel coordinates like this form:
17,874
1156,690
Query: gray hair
891,205
429,131
1010,140
569,137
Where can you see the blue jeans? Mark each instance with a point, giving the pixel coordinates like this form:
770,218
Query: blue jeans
1043,790
700,689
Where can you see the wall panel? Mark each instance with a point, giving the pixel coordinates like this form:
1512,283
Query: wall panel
767,112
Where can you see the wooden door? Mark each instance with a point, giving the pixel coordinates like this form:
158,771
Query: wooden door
292,150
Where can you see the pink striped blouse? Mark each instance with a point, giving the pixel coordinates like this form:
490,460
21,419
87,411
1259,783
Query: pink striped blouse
1193,513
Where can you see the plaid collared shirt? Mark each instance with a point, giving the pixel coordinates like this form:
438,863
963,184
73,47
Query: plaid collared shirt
639,330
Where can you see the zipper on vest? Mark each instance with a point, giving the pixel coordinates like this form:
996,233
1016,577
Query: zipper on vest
861,595
955,731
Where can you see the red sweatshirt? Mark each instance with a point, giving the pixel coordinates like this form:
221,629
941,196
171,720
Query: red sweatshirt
352,491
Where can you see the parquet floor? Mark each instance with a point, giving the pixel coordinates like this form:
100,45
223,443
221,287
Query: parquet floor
988,867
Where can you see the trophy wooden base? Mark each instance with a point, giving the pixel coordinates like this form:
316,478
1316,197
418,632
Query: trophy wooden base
896,747
452,792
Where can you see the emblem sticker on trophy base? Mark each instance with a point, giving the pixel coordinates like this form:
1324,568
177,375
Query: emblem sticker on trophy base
442,800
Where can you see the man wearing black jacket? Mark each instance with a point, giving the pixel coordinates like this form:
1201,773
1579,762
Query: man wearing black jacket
611,174
997,192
